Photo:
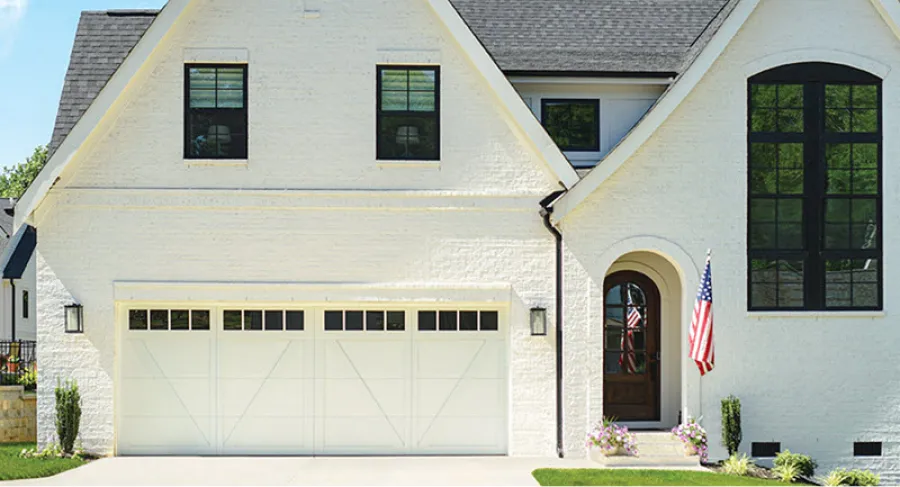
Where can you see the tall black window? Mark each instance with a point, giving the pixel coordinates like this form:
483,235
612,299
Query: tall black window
573,124
25,304
215,111
409,108
815,210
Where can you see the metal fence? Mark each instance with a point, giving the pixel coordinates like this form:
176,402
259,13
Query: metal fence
16,360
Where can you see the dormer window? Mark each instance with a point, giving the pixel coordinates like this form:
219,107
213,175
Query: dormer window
215,112
573,124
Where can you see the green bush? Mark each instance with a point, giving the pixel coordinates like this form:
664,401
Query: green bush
68,414
852,477
787,472
731,424
736,465
806,466
29,379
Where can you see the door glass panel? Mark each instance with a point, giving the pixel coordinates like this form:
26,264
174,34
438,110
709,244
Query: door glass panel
625,341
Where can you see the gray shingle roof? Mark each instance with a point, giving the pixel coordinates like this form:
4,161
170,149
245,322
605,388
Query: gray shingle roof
587,36
638,36
102,42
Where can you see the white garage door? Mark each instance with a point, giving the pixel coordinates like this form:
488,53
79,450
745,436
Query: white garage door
339,381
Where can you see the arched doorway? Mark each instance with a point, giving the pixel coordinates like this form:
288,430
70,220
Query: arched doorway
631,347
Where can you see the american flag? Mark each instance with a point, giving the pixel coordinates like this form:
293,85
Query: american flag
703,347
628,361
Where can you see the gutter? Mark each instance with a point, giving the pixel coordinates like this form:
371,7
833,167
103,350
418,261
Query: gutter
546,213
12,309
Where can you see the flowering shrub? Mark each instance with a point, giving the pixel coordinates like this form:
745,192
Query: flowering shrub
610,438
694,438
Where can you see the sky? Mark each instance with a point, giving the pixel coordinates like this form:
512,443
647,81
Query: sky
36,39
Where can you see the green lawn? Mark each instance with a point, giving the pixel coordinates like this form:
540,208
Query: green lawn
552,476
14,468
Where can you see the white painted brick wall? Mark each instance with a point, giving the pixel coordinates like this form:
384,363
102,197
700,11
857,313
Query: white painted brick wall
312,97
814,383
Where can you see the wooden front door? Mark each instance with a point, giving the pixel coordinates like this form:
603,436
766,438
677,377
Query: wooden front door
631,368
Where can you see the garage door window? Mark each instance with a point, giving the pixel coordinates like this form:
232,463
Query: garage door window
168,320
374,321
460,320
263,320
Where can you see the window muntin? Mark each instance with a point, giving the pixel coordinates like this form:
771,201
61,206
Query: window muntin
168,319
458,320
573,124
262,320
408,113
814,209
216,116
368,321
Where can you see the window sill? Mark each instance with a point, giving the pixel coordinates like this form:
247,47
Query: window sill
217,162
815,314
400,163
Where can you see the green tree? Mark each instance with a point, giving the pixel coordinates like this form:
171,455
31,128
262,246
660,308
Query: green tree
15,180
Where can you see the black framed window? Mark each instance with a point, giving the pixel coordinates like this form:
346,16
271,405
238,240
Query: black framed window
215,118
815,190
409,113
25,306
573,124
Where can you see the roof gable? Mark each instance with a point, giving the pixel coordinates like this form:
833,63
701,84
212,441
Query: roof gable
704,59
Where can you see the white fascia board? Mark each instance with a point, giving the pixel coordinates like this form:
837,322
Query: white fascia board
588,80
511,100
667,105
99,109
890,12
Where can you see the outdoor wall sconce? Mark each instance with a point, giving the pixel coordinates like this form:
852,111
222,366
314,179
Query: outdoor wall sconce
74,319
538,322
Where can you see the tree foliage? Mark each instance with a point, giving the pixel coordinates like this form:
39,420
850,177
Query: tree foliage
15,180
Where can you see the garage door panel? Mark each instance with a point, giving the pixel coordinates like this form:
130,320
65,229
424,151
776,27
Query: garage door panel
166,435
490,363
158,397
366,398
376,359
273,434
451,435
446,359
386,390
375,435
248,357
259,397
471,398
157,357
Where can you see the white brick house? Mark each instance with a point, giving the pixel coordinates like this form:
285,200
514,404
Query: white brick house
320,227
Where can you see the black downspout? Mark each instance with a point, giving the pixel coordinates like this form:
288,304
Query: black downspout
546,212
12,283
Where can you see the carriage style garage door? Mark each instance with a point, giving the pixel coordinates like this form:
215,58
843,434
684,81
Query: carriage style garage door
305,381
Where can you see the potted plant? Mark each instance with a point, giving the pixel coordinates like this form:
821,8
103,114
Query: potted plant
12,364
609,439
693,436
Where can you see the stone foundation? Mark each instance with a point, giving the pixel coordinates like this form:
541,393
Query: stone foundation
18,415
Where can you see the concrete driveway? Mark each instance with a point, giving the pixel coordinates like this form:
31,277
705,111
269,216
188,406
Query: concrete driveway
308,471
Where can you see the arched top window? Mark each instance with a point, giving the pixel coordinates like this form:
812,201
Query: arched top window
815,189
